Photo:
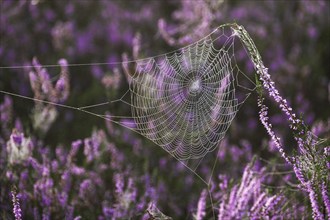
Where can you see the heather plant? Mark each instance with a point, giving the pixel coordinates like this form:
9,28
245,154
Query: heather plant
58,162
310,161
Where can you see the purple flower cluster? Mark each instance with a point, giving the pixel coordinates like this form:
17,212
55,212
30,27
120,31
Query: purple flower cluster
55,183
201,206
60,185
250,199
264,120
16,204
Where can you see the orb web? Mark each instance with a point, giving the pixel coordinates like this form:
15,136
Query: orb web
176,106
185,101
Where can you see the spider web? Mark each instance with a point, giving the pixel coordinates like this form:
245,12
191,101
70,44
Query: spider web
183,101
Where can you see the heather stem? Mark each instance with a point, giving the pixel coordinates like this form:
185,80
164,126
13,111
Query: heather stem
267,83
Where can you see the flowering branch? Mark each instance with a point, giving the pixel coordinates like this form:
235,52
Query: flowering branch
309,165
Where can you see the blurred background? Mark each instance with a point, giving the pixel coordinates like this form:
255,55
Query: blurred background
292,38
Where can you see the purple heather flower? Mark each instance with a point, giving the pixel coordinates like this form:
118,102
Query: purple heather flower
17,138
69,213
92,145
16,205
314,203
119,181
269,205
62,86
248,200
263,115
260,201
107,211
74,149
325,197
200,214
46,87
75,146
232,199
24,175
62,199
223,185
85,187
54,166
327,151
299,174
88,151
132,190
245,191
42,86
10,175
43,189
34,84
77,170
